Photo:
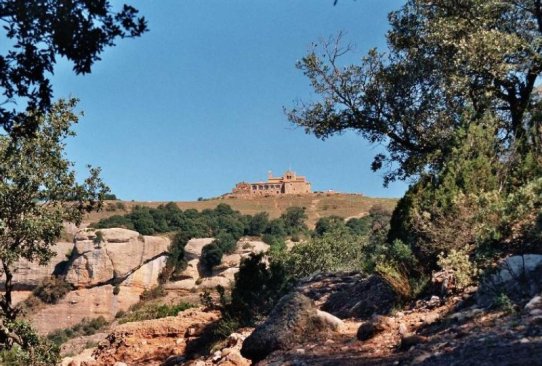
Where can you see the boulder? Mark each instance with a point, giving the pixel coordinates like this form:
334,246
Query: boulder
192,249
293,320
518,277
146,276
377,324
118,255
363,298
246,246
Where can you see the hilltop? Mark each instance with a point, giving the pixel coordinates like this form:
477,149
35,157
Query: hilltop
316,205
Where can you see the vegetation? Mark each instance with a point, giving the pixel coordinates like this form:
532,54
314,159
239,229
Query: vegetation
38,38
84,328
153,311
38,193
454,102
52,289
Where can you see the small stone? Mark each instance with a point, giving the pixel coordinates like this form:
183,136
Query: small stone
535,312
179,341
120,364
300,351
217,356
421,358
535,302
403,330
524,340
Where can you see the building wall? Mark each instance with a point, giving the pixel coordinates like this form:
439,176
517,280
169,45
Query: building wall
290,183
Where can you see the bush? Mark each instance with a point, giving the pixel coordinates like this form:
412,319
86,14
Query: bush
256,290
84,328
337,250
153,311
226,242
52,289
211,255
153,293
458,263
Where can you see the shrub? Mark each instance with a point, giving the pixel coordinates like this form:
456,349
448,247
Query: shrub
99,238
116,290
458,263
211,255
226,242
154,311
337,250
84,328
52,289
256,290
153,293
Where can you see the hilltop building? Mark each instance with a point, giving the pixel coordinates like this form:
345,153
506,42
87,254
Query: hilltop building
289,183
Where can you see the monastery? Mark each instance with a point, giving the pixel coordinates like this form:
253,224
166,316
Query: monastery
289,183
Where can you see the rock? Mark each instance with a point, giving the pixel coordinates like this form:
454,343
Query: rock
192,249
375,325
330,321
146,276
212,282
187,285
292,320
84,303
534,303
28,275
372,295
518,277
412,340
245,246
120,253
120,364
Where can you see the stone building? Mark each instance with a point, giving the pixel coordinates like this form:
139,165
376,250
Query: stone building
289,183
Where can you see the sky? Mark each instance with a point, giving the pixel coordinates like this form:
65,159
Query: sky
196,104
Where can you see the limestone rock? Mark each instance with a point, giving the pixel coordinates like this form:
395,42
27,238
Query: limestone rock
28,275
193,248
377,324
120,253
146,276
84,303
519,277
363,298
293,319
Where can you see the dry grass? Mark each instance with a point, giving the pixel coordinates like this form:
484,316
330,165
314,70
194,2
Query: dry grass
316,204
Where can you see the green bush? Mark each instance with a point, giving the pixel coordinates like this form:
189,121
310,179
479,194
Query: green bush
84,328
458,263
226,242
336,250
52,289
153,311
211,255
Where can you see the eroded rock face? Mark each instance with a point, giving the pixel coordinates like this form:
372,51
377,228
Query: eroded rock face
84,303
151,342
116,256
293,319
28,275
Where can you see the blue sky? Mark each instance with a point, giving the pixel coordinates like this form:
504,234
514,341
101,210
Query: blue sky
195,105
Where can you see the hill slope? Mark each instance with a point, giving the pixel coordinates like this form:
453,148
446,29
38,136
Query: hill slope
316,204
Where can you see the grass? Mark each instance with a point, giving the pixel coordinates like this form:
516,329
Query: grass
85,328
316,204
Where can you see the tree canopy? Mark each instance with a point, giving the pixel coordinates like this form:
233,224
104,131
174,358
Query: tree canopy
38,193
36,33
450,64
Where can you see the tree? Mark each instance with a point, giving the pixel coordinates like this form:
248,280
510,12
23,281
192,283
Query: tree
38,32
38,193
294,220
450,64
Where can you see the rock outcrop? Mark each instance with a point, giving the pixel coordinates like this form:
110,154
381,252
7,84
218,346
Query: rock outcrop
28,275
363,298
294,318
518,277
194,277
114,256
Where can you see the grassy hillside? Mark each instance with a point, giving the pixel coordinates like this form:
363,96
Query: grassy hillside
317,205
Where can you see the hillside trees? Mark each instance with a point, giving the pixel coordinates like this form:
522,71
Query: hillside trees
38,193
453,102
36,34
